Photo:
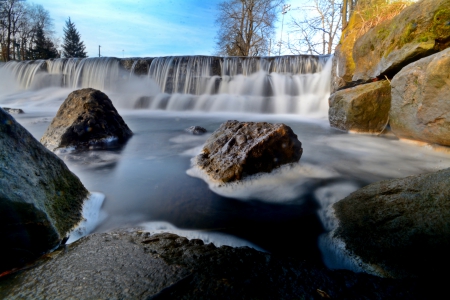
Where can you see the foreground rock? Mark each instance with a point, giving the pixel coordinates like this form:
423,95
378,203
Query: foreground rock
237,149
418,31
87,118
364,108
40,199
421,100
137,265
399,228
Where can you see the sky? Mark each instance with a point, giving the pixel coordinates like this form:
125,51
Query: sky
142,28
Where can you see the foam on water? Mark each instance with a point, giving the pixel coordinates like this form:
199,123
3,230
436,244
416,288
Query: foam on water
92,216
218,239
283,184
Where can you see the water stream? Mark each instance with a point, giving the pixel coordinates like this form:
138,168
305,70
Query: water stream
150,182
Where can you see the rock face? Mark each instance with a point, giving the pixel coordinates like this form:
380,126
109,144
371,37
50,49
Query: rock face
401,227
137,265
418,31
237,149
421,100
364,108
86,118
40,199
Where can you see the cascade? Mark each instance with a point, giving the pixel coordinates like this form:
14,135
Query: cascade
284,84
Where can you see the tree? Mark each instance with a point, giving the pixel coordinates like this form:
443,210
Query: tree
72,46
43,47
246,26
319,31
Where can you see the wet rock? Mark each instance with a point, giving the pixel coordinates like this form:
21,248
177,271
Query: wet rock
237,149
420,107
364,108
418,31
196,130
137,265
40,199
13,110
87,118
399,228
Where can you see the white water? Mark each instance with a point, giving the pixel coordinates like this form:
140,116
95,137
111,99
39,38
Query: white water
283,85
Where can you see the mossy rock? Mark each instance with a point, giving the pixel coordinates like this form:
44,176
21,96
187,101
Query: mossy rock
40,198
418,31
364,108
399,228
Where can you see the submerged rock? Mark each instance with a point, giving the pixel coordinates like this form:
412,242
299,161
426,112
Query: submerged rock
420,107
138,265
364,108
13,110
196,130
399,228
40,199
86,118
237,149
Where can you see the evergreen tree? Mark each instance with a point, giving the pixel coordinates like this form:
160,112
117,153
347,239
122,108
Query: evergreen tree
43,46
72,46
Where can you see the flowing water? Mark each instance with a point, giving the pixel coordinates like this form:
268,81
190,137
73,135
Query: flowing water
150,182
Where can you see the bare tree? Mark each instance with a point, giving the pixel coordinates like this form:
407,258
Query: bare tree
246,26
319,31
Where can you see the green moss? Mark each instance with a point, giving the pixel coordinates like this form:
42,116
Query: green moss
441,23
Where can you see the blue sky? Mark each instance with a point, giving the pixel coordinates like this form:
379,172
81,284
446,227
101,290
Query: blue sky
140,27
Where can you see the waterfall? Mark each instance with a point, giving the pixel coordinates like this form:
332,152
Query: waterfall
283,84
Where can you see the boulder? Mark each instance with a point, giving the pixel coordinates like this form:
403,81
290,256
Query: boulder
196,130
87,118
421,29
237,149
40,199
420,107
399,228
364,108
140,265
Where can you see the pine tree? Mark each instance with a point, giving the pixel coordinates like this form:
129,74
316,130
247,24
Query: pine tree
43,46
72,46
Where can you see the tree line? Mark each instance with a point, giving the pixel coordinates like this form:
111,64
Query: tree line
27,33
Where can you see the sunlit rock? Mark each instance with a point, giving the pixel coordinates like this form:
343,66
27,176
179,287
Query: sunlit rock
237,149
40,199
418,31
87,118
364,108
420,107
399,228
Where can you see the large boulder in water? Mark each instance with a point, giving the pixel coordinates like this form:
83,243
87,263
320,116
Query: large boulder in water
237,149
420,108
364,108
86,118
40,199
399,228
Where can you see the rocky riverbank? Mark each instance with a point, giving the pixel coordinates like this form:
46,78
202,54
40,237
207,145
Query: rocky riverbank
132,264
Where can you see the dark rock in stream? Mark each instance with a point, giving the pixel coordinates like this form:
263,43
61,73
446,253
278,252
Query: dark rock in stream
13,110
399,228
40,199
196,130
137,265
87,118
237,149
